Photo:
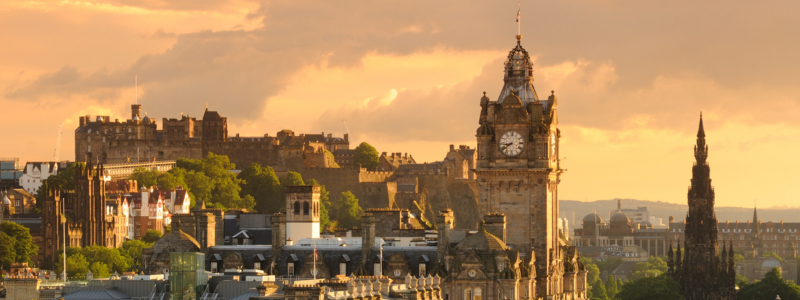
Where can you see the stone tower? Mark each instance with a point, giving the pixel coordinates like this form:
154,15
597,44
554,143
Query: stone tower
703,273
302,212
517,168
90,194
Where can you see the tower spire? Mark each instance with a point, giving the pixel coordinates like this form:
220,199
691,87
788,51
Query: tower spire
701,149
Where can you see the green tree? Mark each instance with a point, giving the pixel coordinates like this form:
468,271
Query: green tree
263,185
349,210
8,254
24,247
110,257
741,280
594,272
771,286
738,258
100,270
77,265
611,287
654,266
200,186
218,186
151,236
366,156
132,249
144,177
324,207
662,287
599,292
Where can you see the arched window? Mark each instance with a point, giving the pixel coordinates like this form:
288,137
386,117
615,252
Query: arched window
297,208
477,294
305,208
468,294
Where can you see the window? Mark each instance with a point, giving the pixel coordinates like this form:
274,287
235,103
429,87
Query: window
290,269
305,208
343,269
377,269
477,294
257,265
297,208
468,294
422,270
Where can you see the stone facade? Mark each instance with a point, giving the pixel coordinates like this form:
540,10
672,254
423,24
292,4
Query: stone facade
518,172
93,215
636,240
704,272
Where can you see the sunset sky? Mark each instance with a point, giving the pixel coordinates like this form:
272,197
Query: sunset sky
631,78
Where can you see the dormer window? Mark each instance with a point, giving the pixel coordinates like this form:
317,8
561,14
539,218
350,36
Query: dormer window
290,269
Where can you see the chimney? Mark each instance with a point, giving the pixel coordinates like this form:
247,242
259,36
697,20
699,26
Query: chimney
444,223
452,147
367,237
206,228
278,235
82,121
496,225
346,137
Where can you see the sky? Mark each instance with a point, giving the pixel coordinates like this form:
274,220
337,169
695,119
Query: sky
632,78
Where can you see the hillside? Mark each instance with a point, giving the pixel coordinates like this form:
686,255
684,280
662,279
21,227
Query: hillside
665,210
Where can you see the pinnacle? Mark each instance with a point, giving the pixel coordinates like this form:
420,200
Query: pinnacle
701,133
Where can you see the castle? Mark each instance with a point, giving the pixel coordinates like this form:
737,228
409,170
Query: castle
398,182
138,139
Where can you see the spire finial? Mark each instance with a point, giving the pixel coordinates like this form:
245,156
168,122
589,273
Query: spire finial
701,133
484,93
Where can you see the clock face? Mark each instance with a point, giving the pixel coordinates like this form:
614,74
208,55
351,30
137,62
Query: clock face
472,273
511,143
397,272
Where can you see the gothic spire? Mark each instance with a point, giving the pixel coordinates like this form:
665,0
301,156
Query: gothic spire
756,226
701,149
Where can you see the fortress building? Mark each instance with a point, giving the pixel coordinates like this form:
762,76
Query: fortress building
138,139
518,171
704,271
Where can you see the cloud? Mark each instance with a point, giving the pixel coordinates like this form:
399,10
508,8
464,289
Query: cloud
613,64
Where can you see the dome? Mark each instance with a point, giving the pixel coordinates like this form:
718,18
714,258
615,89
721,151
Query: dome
146,119
771,263
592,218
136,118
512,99
99,119
619,217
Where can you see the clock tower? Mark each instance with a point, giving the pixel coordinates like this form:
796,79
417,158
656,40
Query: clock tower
518,168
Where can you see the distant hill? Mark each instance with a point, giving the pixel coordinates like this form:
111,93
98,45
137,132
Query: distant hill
664,210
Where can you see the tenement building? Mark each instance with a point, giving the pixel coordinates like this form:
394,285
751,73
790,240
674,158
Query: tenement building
518,171
466,265
703,271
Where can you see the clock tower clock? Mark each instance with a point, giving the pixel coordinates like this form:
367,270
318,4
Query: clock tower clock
518,169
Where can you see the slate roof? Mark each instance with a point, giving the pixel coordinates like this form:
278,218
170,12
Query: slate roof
91,293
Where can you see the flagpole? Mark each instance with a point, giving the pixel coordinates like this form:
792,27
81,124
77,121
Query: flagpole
519,11
64,222
315,260
381,268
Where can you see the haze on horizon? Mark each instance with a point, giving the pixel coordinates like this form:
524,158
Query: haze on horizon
631,78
